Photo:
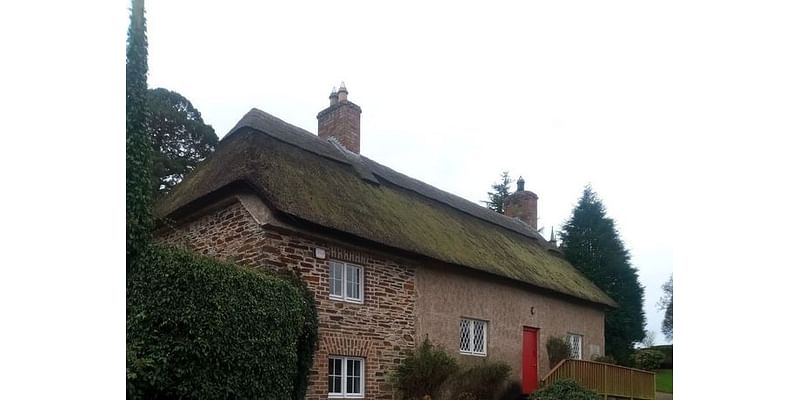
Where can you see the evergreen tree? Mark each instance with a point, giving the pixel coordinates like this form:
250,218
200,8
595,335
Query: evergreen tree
665,303
500,191
180,138
137,145
592,244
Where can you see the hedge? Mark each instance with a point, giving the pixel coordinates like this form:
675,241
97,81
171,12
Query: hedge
202,329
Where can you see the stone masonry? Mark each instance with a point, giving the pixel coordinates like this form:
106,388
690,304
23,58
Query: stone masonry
378,330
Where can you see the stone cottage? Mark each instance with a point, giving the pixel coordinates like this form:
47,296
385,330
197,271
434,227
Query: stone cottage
391,260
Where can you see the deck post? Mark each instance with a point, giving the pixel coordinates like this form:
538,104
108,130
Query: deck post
654,386
630,382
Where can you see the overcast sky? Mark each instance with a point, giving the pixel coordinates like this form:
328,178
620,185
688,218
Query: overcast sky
564,94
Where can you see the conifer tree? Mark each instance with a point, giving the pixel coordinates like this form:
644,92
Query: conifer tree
500,191
665,303
137,144
592,244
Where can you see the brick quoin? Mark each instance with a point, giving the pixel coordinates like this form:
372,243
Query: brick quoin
379,330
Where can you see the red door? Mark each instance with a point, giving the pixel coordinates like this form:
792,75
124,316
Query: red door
530,357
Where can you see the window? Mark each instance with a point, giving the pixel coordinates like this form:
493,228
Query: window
345,378
346,282
575,344
473,337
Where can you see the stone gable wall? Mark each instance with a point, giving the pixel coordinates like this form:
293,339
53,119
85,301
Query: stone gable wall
378,330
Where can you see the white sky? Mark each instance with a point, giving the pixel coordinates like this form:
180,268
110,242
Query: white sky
562,93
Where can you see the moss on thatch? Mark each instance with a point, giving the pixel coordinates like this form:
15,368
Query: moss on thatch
306,178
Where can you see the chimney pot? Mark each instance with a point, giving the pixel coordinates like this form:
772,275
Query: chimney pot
342,92
520,184
333,96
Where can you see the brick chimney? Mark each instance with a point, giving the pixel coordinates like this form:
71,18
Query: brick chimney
522,204
341,120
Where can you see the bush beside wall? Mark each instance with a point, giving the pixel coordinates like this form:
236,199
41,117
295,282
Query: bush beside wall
423,372
557,349
482,381
565,389
200,328
608,359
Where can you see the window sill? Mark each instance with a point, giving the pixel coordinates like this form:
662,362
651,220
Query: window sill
351,301
343,396
466,353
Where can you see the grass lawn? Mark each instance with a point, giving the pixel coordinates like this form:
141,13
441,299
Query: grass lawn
664,380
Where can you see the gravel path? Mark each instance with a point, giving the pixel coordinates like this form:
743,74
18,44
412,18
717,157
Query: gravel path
663,396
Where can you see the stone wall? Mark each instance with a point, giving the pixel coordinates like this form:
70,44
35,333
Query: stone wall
377,330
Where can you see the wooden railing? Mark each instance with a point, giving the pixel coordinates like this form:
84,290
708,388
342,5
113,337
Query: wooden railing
610,381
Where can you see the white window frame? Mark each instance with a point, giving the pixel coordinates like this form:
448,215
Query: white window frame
343,296
362,374
569,339
471,341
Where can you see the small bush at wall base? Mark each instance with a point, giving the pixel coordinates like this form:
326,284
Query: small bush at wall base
608,359
482,381
557,349
648,359
422,372
565,389
201,329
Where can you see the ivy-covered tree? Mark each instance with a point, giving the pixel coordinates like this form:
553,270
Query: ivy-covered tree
665,303
500,191
137,144
592,244
180,138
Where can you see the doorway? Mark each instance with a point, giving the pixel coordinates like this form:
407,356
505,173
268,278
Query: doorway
530,359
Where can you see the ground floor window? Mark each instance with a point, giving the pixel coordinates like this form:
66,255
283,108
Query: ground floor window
345,377
575,342
473,337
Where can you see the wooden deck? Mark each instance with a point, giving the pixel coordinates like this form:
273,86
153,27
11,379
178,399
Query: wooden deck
608,380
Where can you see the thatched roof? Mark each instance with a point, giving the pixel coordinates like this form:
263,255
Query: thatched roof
306,177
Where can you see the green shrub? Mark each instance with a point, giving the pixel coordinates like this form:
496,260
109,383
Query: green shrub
565,389
199,328
667,350
557,349
647,359
482,381
422,372
608,359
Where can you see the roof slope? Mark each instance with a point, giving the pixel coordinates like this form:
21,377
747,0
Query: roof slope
312,179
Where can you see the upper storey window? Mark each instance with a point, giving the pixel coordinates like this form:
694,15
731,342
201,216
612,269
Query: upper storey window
347,282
